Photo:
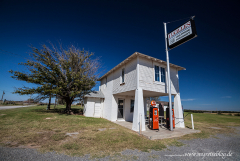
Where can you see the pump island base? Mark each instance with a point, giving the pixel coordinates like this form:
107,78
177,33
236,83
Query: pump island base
162,133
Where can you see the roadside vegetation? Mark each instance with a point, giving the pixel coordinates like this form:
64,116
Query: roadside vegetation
211,124
48,130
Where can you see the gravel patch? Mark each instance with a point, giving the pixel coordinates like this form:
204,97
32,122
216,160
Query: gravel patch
229,144
19,154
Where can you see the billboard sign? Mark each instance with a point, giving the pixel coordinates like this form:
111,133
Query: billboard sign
182,34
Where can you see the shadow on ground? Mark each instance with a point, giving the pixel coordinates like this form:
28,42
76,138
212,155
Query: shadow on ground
60,111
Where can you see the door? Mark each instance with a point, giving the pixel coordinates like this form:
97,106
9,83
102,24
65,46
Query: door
120,108
97,109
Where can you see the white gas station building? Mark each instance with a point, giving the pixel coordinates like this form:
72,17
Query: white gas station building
124,90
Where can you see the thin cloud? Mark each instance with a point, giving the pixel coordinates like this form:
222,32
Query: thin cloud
226,97
189,99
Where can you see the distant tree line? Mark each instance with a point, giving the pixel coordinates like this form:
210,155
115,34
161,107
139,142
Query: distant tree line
208,111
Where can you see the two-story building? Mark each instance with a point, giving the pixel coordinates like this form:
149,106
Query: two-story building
124,90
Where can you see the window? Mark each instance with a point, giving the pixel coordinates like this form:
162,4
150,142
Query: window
132,106
123,75
156,73
160,74
163,75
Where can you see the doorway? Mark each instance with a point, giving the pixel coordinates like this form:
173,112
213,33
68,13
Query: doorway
120,108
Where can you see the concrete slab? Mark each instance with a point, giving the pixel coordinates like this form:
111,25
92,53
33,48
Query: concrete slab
162,133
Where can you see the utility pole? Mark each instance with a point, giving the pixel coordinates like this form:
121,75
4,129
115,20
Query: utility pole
29,100
169,82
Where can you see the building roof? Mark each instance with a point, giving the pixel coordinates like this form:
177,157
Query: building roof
96,94
143,56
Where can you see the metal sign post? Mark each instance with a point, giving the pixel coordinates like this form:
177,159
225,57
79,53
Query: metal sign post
169,82
178,36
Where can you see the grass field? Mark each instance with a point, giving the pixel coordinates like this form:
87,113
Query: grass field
35,127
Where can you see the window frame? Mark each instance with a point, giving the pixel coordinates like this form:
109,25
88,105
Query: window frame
163,74
122,77
160,73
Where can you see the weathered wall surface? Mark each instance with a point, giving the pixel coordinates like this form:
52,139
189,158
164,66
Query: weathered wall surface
130,78
147,77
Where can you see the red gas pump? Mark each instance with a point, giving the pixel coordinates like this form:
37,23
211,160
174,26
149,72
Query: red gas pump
167,118
153,117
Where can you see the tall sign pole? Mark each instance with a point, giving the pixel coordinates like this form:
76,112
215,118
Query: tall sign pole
169,82
178,36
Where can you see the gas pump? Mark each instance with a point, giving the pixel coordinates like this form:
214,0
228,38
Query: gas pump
167,118
153,117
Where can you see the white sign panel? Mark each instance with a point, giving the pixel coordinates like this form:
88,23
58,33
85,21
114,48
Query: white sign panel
180,33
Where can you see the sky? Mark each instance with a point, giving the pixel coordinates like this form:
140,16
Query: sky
115,29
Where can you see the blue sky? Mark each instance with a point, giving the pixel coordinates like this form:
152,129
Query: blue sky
114,29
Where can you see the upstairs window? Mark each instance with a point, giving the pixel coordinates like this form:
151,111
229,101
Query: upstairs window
132,106
123,72
156,73
160,74
163,75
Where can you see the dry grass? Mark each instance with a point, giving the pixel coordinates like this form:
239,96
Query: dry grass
28,127
205,122
231,114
